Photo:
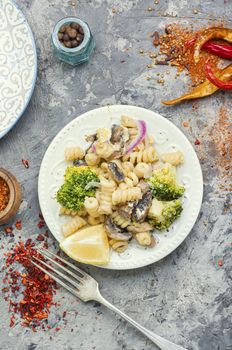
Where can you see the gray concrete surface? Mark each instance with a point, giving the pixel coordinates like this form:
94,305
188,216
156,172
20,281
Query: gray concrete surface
185,297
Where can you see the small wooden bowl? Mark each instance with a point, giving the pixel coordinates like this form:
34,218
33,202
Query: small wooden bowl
14,198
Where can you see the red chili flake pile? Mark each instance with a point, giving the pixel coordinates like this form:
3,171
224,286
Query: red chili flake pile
25,163
4,194
38,288
173,52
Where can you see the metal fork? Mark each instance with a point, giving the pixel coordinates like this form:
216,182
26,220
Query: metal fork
83,286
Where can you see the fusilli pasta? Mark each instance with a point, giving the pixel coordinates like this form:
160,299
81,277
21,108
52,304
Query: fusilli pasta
128,122
92,159
105,196
73,225
147,156
173,158
119,220
118,246
65,211
143,170
91,205
123,196
104,150
143,238
92,220
74,153
130,181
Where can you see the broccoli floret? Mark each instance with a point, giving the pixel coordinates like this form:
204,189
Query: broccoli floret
162,214
164,185
72,193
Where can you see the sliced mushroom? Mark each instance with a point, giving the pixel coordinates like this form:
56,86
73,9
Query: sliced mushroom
136,227
116,133
91,138
79,162
116,172
141,209
115,232
144,186
126,210
119,137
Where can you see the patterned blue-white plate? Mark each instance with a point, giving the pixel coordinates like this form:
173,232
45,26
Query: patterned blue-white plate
18,65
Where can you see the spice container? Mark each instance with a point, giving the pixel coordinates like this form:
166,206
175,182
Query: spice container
72,41
10,196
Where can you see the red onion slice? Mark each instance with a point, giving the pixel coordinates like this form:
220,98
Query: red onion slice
142,130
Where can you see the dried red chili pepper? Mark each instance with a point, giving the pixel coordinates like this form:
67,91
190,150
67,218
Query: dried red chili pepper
220,50
25,163
216,81
211,33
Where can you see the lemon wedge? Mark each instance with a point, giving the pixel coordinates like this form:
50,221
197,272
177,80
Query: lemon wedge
89,246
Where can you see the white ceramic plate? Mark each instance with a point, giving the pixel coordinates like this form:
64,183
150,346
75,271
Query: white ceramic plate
18,65
167,138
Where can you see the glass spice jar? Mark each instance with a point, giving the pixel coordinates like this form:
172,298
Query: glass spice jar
12,189
76,55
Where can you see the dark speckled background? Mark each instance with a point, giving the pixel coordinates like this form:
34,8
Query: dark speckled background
185,297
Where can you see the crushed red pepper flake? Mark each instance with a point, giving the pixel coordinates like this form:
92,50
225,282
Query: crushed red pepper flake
197,142
25,163
38,288
220,263
41,224
8,229
18,224
40,238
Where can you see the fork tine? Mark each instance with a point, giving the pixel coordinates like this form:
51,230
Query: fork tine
70,280
46,252
70,289
77,277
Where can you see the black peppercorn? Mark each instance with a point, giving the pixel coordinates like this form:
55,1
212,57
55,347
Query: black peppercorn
75,26
71,35
74,43
68,44
60,36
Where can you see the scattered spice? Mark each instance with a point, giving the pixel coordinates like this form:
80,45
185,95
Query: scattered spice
18,224
220,263
34,302
185,124
197,142
221,135
8,230
173,46
25,163
156,38
4,194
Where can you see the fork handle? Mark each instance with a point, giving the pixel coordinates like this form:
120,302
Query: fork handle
162,343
